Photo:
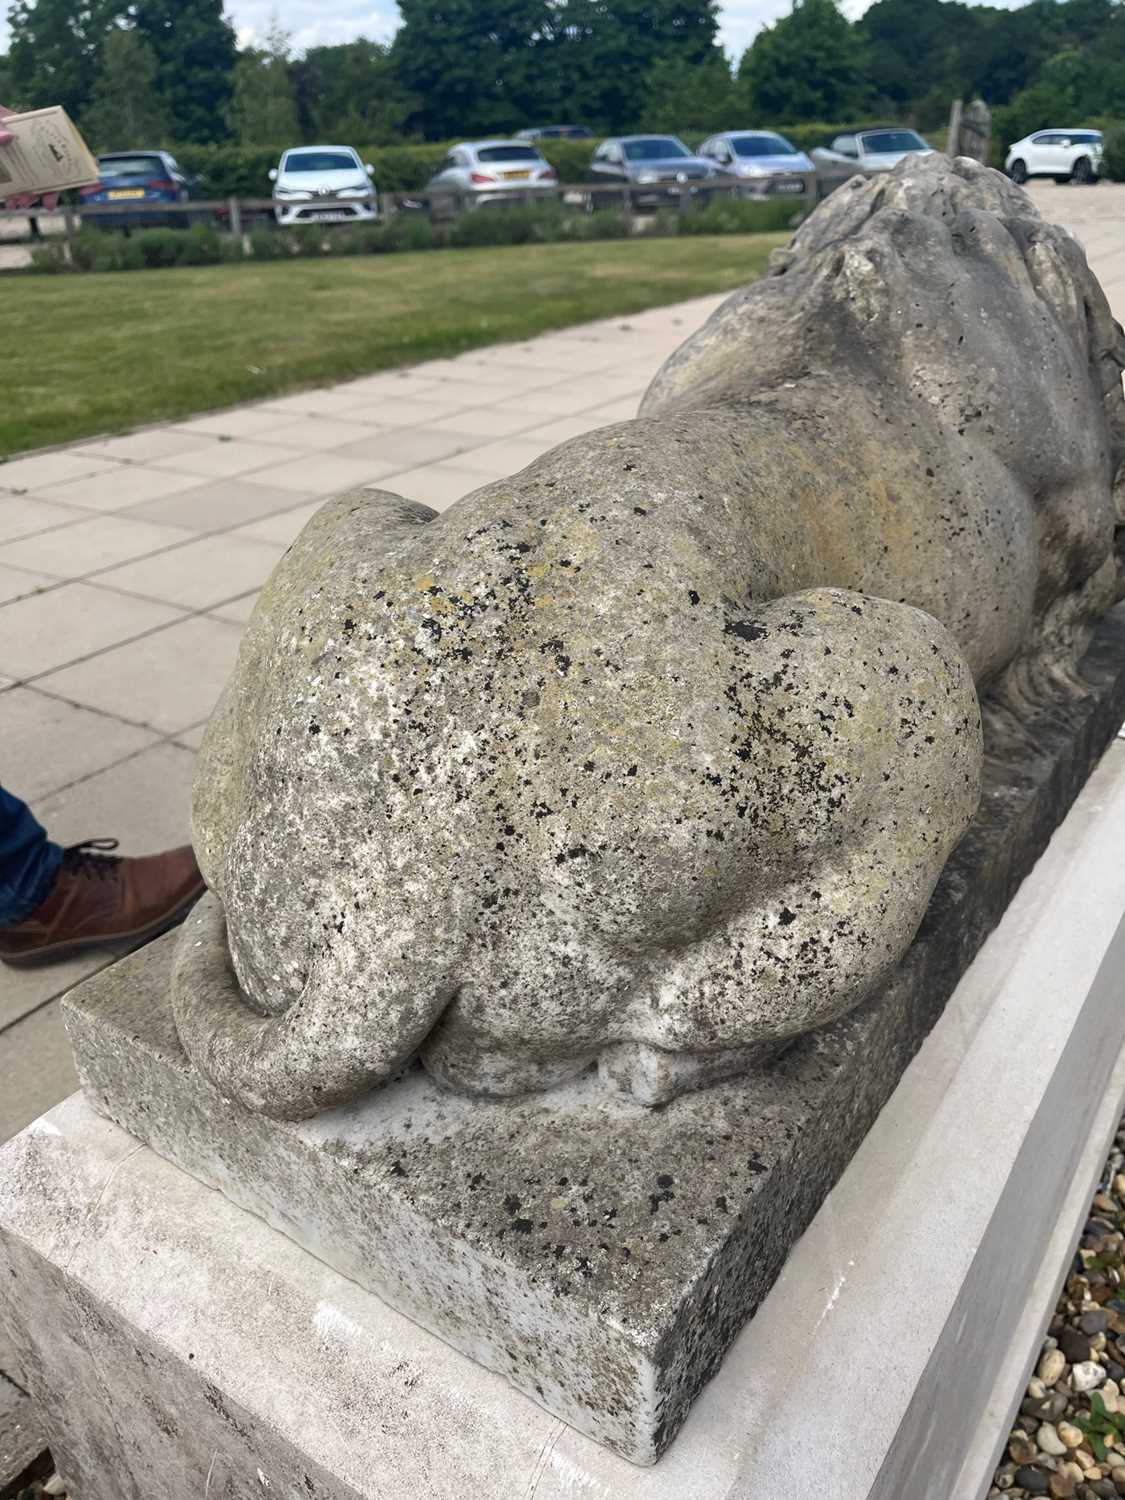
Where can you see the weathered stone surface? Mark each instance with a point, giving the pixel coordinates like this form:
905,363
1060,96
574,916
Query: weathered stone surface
22,1439
650,755
600,1255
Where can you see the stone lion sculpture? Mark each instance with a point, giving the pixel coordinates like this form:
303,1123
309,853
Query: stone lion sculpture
651,755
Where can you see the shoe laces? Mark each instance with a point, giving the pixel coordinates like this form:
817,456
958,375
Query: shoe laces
92,857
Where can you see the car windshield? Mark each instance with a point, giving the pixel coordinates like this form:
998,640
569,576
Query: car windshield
507,153
131,166
762,145
879,142
319,161
653,148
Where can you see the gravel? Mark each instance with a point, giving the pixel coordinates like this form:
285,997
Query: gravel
1068,1439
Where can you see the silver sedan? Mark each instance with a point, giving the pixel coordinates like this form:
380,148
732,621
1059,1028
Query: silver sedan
479,172
765,162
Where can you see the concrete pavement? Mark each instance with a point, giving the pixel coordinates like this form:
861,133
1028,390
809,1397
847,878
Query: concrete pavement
129,565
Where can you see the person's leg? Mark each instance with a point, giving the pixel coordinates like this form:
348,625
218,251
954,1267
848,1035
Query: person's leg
29,861
53,900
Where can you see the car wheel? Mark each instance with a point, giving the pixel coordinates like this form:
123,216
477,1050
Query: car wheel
1083,170
1018,171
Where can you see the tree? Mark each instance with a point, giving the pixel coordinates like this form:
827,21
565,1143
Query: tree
477,66
264,111
195,59
126,110
7,83
683,96
351,92
55,49
810,65
916,49
607,50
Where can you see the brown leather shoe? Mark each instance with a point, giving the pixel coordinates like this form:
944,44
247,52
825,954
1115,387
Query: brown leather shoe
100,897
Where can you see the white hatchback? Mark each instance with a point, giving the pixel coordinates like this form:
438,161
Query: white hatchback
322,184
1065,155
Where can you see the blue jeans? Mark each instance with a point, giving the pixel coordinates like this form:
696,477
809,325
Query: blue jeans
29,861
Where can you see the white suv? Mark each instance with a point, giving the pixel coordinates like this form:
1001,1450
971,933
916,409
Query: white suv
1065,155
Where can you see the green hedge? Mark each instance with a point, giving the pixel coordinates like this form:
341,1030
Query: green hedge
243,171
145,249
1113,163
142,250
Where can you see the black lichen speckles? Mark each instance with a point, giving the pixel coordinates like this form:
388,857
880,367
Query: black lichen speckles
555,649
786,916
746,630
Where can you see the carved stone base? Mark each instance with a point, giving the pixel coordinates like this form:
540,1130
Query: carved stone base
600,1255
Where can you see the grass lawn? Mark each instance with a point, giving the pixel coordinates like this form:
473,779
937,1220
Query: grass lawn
101,353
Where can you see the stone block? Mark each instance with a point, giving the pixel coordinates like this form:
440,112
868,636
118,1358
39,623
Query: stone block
183,1349
600,1255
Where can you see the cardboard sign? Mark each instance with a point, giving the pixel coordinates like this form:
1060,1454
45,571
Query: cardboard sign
46,155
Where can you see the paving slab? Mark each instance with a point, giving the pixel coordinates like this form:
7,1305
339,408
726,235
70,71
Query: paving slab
51,468
93,544
81,742
38,1069
145,801
125,485
166,680
208,571
221,460
310,474
22,515
25,990
67,624
321,434
150,446
217,506
17,583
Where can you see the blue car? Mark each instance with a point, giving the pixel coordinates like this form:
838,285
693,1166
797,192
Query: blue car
137,184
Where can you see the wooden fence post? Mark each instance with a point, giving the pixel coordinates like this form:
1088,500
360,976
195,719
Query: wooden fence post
953,142
234,208
68,230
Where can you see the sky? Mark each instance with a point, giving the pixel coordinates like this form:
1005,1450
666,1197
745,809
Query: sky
313,22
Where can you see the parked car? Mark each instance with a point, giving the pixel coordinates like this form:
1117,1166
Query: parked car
479,172
555,133
322,185
767,163
1065,155
873,150
137,183
659,167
